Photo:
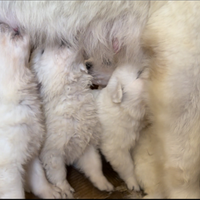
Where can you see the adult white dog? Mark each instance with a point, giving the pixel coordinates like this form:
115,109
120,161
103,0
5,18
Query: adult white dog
167,33
73,130
122,111
21,124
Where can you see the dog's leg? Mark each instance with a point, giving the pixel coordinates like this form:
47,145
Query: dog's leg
11,183
90,163
37,182
146,166
56,172
122,163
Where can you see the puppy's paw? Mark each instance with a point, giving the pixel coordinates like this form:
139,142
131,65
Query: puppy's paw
104,185
133,185
66,189
49,192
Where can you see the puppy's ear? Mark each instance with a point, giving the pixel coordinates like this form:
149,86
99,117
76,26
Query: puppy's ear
115,90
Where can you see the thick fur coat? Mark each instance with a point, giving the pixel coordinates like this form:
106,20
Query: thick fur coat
22,123
121,111
97,33
73,130
164,34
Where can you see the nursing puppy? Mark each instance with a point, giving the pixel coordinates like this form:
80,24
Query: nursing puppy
21,124
167,32
101,74
71,120
121,111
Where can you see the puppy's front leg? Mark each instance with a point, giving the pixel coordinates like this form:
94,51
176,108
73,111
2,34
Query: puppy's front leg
37,182
56,171
122,163
90,164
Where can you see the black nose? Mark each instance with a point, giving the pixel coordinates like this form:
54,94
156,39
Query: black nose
88,65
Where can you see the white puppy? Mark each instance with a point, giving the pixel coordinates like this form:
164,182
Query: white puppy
71,121
167,32
121,111
21,124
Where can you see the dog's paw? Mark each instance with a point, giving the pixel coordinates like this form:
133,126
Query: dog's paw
66,189
49,192
104,185
133,185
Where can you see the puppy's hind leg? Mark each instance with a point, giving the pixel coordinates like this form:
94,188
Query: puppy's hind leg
38,183
90,164
11,183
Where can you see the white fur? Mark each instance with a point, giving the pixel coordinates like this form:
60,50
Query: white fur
167,156
21,125
167,32
97,31
37,183
121,111
71,122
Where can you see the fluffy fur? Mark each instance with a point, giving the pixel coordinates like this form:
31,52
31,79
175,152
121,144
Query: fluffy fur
98,32
167,157
121,111
21,125
70,113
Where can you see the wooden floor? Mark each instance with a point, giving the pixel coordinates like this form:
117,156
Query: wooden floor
85,190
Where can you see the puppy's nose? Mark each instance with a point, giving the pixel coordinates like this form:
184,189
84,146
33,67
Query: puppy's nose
88,65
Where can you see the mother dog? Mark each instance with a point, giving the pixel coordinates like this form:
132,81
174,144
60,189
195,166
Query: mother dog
161,35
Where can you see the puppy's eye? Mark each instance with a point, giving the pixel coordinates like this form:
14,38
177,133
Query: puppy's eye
42,51
88,65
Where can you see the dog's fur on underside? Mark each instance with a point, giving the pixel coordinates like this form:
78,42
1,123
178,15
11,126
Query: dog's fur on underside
167,156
